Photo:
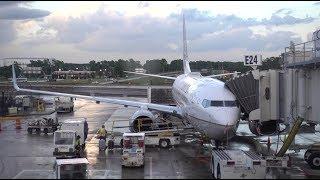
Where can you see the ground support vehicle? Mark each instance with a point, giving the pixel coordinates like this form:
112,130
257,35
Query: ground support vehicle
77,125
162,138
45,125
65,145
133,150
71,168
237,164
64,104
65,139
312,156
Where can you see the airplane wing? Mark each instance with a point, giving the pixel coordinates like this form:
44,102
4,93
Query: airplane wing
152,75
150,106
217,75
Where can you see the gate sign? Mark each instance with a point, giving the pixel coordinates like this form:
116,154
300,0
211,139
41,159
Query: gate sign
252,60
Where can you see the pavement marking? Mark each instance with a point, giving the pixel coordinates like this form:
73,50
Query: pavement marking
150,167
30,170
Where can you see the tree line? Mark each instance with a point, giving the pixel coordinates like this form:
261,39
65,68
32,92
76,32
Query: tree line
116,68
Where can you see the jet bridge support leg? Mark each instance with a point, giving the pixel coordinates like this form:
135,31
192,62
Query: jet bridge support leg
290,137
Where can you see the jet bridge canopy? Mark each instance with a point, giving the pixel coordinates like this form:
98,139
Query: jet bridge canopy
246,89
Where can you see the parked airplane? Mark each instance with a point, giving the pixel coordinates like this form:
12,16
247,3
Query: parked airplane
204,102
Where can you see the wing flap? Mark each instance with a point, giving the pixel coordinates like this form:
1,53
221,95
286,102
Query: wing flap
152,75
217,75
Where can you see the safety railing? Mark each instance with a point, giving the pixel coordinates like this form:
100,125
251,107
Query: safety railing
302,52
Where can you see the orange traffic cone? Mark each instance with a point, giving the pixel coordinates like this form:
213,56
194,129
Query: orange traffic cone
18,124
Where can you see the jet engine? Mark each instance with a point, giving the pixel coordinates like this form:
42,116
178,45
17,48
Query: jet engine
145,117
263,128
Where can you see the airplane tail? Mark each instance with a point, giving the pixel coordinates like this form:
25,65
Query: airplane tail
186,66
14,79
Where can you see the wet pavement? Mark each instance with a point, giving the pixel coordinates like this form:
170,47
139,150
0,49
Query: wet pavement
30,156
300,169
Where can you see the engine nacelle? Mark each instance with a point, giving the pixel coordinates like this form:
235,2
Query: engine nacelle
146,118
263,128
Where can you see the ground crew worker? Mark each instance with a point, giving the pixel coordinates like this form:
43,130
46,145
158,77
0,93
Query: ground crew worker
78,142
102,132
86,129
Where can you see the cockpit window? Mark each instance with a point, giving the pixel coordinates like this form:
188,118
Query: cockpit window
230,103
207,103
217,103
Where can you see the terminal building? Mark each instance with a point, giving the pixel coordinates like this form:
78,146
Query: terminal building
72,74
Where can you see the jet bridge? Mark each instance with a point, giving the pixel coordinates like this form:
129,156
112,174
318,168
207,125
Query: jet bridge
258,93
284,96
246,89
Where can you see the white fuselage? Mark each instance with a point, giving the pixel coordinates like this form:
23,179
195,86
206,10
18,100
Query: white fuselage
207,104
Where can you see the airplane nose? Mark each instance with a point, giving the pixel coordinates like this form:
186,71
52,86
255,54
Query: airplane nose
226,117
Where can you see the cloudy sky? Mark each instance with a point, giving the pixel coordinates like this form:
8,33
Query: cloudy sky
82,31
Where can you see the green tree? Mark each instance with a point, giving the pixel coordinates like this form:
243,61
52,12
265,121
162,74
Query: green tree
271,63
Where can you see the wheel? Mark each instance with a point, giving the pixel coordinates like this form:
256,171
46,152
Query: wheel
218,172
307,154
121,143
38,130
29,130
110,144
45,130
212,167
314,160
164,143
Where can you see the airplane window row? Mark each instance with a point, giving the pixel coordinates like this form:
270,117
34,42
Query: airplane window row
207,103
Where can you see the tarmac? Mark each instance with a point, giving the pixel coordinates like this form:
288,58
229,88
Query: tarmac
30,156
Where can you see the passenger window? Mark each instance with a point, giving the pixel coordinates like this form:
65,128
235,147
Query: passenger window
230,103
217,103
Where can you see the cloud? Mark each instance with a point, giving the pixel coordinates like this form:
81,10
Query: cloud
286,20
9,11
245,39
172,46
316,4
193,15
8,3
109,32
7,32
20,13
235,21
283,10
143,4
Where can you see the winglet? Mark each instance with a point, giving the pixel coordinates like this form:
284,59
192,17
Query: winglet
14,79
